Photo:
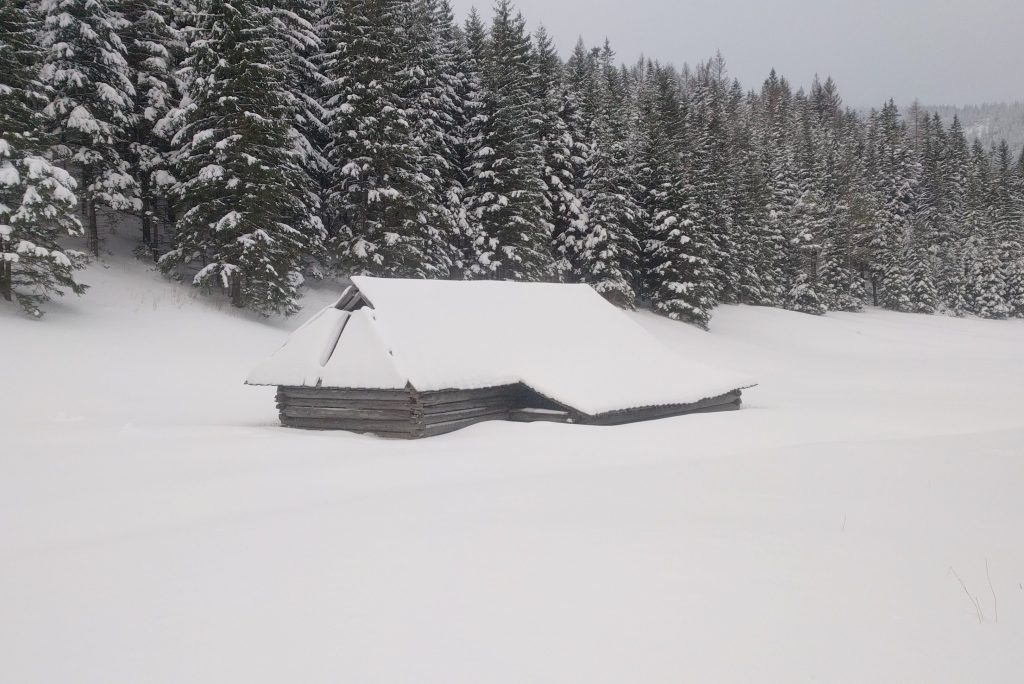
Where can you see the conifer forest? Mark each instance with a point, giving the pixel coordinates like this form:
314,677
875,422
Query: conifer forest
255,144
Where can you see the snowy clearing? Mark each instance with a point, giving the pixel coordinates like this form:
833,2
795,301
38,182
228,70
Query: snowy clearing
861,519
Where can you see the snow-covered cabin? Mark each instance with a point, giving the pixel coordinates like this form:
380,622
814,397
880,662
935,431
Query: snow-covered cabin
414,358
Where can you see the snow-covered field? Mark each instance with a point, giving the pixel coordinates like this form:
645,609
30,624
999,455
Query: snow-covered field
862,519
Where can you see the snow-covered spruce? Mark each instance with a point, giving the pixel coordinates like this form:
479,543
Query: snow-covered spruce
154,47
385,142
505,188
37,201
248,211
91,107
560,133
676,268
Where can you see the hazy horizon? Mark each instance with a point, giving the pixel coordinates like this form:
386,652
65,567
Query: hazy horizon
940,53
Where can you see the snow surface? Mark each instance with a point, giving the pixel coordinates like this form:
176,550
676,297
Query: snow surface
156,525
564,341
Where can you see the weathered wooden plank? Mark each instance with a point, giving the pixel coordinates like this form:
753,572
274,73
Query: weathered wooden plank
395,427
451,426
492,402
370,404
448,396
528,416
403,407
350,293
348,414
336,393
322,424
446,416
357,425
725,402
398,401
710,401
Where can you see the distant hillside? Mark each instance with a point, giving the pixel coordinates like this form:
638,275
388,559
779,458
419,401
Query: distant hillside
989,123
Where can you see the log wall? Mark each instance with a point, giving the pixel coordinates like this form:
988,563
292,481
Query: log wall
408,414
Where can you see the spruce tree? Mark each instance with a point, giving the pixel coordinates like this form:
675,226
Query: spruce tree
449,85
896,186
37,201
564,153
921,295
752,237
706,158
775,139
296,25
248,214
953,208
809,218
154,48
606,252
986,285
677,273
504,197
382,187
91,108
468,118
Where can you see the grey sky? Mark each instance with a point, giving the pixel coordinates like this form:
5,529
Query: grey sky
941,52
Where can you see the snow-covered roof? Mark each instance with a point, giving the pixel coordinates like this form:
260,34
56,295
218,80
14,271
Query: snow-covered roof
563,341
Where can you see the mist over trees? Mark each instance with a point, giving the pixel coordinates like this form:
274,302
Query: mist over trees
261,142
989,122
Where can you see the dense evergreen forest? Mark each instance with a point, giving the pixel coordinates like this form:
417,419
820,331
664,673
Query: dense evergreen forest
261,142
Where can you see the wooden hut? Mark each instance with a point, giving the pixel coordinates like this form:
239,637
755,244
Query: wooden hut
416,358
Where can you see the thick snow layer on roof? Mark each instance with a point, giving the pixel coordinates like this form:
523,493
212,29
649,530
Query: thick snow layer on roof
302,358
362,358
563,341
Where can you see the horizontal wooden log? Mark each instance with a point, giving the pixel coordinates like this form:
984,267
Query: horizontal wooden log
369,404
495,402
322,424
376,426
348,414
491,402
451,426
335,393
448,396
488,413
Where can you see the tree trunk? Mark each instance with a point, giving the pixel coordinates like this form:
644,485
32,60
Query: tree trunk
147,221
6,269
236,291
94,230
169,219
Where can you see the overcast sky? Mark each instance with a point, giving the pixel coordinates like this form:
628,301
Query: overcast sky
941,52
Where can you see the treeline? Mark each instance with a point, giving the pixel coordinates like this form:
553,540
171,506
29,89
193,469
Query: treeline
262,141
